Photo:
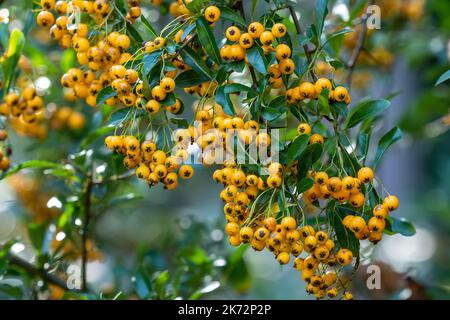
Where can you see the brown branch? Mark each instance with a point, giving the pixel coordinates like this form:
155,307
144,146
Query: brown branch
306,48
359,47
35,271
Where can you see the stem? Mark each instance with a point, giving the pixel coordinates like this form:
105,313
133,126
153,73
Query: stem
359,47
239,5
306,48
33,270
87,212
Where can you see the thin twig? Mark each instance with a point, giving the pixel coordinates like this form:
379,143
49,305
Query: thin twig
306,48
114,178
359,47
35,271
87,212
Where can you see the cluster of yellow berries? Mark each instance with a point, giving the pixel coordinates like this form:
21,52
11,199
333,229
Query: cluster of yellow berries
67,118
133,10
4,160
257,34
308,90
27,105
150,164
286,238
98,10
25,111
373,229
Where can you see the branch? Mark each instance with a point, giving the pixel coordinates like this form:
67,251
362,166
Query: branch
359,47
306,48
33,270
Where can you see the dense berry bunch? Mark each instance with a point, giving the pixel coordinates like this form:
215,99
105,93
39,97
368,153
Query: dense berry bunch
313,203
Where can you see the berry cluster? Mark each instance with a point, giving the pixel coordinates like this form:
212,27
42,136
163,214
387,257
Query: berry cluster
284,205
151,165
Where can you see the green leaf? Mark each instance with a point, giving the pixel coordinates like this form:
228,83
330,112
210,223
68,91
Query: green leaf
148,26
195,6
118,116
297,147
363,144
105,94
11,57
94,135
224,100
134,33
386,141
36,164
444,77
236,272
311,154
124,198
68,59
399,225
150,61
338,33
256,57
190,78
357,8
207,40
365,110
254,4
304,185
323,104
233,16
159,284
237,87
346,238
37,234
191,58
65,217
180,122
272,114
321,13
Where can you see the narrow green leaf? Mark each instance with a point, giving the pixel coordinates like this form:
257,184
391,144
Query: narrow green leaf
365,110
105,94
94,135
150,61
257,59
321,13
134,33
363,144
148,26
304,185
346,238
12,56
399,225
207,40
232,16
224,100
386,141
191,58
35,164
444,77
237,87
297,147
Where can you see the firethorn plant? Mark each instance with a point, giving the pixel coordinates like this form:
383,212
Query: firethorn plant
313,206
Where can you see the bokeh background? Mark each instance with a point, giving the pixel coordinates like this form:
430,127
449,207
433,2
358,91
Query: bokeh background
175,240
